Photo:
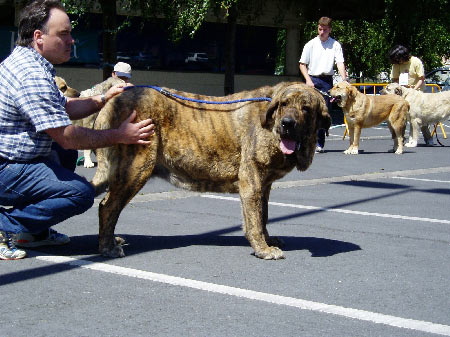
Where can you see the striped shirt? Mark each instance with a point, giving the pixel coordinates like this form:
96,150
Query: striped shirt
30,103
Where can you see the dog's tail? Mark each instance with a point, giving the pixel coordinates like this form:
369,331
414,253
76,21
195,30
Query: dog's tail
100,182
105,120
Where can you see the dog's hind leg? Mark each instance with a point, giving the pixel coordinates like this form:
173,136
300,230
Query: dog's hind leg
136,166
397,126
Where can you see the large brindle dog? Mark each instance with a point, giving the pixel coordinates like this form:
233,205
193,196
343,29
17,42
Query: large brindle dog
240,148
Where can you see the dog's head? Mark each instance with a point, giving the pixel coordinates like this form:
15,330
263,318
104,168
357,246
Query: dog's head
295,114
393,89
342,93
65,89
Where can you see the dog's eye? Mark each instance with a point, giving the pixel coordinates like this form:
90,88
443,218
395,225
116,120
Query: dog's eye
306,109
283,104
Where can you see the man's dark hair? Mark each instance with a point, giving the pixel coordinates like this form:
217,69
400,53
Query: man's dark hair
325,21
34,17
399,54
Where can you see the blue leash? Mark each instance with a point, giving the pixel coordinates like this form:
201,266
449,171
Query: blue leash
170,94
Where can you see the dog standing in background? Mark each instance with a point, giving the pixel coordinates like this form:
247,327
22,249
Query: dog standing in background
89,121
364,111
425,109
65,89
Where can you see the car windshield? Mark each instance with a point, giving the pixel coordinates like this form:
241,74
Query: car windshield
439,76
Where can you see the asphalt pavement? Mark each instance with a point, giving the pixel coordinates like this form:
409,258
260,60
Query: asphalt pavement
367,247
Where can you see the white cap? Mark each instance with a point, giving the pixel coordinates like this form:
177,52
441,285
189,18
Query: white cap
122,69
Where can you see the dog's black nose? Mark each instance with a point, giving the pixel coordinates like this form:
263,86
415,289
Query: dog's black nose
287,122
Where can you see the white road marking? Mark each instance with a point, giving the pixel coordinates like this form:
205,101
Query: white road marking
362,315
421,179
290,184
337,210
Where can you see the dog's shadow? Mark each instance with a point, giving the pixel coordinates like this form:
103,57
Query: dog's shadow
138,244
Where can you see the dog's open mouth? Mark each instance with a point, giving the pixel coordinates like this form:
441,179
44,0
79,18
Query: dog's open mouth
288,146
336,99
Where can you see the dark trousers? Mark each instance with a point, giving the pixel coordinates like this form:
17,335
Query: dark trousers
67,158
323,83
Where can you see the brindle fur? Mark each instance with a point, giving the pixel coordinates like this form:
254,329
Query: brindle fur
219,148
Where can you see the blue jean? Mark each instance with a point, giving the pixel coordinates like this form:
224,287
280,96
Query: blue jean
323,84
41,194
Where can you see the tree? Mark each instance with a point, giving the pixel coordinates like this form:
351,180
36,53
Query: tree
185,18
421,25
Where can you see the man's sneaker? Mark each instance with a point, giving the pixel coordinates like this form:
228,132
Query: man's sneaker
48,237
319,149
8,251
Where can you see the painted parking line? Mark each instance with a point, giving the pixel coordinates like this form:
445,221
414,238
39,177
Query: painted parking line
421,179
337,210
181,194
372,317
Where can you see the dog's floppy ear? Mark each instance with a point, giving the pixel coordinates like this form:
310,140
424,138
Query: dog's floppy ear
267,118
352,91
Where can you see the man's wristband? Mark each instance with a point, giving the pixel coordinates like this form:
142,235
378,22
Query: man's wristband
103,98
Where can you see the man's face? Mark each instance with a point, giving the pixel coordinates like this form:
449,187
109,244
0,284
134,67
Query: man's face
56,42
324,32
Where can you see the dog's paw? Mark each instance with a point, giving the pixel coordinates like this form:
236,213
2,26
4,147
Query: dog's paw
117,251
270,253
120,241
88,164
351,150
399,151
411,144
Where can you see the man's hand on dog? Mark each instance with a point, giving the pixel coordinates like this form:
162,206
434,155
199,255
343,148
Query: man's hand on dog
116,89
136,133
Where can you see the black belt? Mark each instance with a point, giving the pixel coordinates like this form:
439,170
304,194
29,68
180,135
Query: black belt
322,76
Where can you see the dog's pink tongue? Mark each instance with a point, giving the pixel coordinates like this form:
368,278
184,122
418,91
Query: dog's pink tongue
287,146
332,99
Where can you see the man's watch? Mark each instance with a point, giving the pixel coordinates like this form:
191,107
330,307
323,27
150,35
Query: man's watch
103,98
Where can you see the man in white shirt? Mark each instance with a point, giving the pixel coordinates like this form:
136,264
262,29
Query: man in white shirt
317,62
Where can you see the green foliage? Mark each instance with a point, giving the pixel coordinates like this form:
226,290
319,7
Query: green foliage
281,52
421,25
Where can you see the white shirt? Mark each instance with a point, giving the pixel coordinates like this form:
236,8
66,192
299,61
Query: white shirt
321,56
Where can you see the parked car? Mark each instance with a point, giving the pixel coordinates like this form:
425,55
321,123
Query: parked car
437,76
446,85
196,57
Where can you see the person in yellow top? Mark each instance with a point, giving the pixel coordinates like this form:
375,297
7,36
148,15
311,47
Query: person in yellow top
406,70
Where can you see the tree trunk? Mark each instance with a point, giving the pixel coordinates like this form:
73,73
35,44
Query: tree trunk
109,36
230,51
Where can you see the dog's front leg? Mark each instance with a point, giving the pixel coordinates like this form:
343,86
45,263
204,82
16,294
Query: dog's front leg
351,134
252,202
271,240
413,133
